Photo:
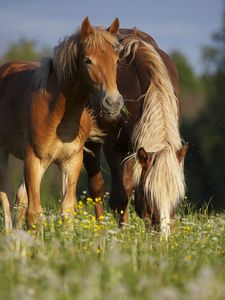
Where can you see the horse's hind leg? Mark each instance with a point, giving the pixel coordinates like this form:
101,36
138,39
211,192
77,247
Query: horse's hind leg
21,204
95,179
5,190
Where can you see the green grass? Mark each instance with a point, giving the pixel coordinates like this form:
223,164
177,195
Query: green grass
86,260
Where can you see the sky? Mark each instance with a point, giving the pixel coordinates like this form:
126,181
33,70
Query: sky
175,24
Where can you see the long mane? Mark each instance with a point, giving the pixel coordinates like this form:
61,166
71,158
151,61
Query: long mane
65,56
66,53
158,132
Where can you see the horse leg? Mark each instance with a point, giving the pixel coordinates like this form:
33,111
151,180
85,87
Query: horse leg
21,203
128,186
118,200
165,222
142,209
70,170
95,179
5,191
33,171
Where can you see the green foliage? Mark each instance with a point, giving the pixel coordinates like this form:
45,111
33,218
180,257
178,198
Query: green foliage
188,79
24,49
214,56
211,58
205,164
191,88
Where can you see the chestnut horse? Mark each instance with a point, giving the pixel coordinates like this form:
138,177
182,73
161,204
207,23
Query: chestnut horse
147,132
42,113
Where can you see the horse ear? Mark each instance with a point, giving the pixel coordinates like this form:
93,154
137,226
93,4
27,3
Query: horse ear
182,152
86,28
135,30
142,156
114,27
145,159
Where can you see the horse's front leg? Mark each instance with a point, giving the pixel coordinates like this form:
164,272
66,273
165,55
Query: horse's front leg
70,170
128,186
21,206
95,179
33,171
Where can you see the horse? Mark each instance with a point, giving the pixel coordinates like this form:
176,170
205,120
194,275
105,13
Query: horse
43,115
143,146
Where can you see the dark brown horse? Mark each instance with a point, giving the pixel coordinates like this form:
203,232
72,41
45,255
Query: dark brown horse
42,116
147,133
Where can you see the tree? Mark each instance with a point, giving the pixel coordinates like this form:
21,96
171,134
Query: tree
192,96
208,131
188,80
24,49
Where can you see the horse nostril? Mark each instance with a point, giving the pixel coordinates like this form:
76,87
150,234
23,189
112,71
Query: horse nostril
114,103
108,102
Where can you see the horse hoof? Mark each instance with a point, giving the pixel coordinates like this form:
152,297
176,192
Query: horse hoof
8,225
165,232
35,219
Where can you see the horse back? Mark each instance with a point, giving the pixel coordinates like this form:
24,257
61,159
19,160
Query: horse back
13,67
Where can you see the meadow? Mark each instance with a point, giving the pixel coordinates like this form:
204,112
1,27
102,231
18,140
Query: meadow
84,259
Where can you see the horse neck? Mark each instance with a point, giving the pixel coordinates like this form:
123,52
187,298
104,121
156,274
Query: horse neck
75,99
140,82
142,70
69,106
132,87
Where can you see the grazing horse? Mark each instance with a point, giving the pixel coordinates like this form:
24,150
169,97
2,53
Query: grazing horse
143,146
42,113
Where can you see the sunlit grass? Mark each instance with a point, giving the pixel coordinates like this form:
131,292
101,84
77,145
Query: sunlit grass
86,259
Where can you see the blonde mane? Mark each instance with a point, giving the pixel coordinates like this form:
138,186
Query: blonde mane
158,133
65,56
66,53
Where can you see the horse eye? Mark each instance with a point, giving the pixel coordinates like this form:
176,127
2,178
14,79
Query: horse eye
87,61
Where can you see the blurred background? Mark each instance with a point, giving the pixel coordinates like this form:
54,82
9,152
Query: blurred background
192,32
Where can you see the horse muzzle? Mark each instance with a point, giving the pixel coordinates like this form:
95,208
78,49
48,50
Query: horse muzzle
111,106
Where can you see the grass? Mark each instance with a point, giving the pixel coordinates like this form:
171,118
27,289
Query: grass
87,260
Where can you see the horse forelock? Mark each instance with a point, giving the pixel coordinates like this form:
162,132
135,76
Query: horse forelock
65,56
98,38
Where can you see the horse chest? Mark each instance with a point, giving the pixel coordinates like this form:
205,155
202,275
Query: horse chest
68,150
57,150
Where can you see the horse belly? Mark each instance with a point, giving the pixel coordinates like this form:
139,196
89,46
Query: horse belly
11,132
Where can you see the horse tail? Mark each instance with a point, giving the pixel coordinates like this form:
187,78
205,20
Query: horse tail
158,133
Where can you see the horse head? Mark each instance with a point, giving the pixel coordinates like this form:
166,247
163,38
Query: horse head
147,161
98,63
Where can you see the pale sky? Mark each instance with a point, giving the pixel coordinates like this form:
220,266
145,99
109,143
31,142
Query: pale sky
174,24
